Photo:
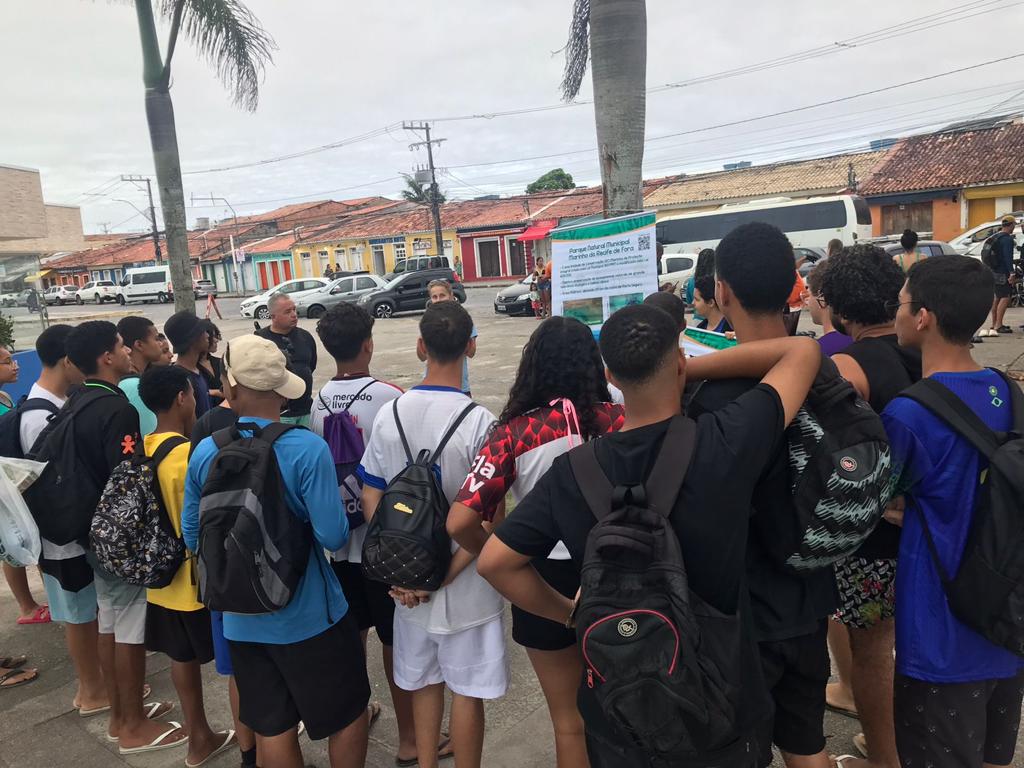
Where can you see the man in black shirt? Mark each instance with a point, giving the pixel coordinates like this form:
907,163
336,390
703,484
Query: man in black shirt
299,349
754,265
862,288
733,445
106,433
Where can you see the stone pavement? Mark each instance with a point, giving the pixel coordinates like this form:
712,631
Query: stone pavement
39,728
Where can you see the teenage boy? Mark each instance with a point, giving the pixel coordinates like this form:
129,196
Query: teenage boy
453,636
304,662
140,336
106,433
299,348
191,341
754,266
67,576
1004,247
177,624
441,290
734,446
958,696
861,286
347,333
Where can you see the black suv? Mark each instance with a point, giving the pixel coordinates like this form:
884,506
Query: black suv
409,292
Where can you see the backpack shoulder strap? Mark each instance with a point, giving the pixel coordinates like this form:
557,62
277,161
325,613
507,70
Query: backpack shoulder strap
355,397
955,413
165,448
320,397
451,432
594,484
673,462
38,404
274,430
1016,401
401,430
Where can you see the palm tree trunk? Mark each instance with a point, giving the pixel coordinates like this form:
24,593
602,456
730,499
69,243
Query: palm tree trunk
618,50
164,140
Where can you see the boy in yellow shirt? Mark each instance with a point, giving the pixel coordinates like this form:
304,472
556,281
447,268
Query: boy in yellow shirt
177,624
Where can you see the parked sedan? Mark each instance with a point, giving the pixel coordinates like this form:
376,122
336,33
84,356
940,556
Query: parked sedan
926,248
515,299
203,288
60,294
257,306
98,291
811,257
345,289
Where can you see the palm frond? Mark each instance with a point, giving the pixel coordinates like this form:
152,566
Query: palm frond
577,50
230,37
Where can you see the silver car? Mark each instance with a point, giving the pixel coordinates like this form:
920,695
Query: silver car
344,289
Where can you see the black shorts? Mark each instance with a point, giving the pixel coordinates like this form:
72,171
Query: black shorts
182,635
321,681
542,634
368,601
957,725
795,671
605,753
1003,288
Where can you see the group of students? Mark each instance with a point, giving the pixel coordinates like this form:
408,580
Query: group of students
952,698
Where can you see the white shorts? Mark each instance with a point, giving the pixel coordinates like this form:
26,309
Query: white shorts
121,608
471,662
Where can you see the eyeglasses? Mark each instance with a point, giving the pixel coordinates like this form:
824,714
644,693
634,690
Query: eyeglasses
894,306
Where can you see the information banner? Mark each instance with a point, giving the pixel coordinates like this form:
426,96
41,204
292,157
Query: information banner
697,342
602,266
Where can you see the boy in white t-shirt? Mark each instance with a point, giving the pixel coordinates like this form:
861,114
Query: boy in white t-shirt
453,636
347,334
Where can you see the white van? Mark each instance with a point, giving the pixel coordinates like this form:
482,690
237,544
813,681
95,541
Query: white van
676,267
146,284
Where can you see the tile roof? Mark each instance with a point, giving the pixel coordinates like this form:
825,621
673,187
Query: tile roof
950,160
819,174
284,241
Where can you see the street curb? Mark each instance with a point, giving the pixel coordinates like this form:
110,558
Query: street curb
34,319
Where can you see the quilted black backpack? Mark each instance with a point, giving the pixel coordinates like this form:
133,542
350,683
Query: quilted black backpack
131,534
407,544
663,665
840,469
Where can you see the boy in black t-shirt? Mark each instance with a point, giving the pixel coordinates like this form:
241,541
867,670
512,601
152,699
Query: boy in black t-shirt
754,265
640,347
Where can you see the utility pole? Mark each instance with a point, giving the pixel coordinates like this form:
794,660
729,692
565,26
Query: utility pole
435,194
239,268
152,211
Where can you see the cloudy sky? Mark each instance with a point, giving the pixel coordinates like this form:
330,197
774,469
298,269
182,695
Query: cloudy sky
73,99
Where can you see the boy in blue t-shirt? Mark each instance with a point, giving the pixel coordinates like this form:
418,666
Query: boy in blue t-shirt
957,695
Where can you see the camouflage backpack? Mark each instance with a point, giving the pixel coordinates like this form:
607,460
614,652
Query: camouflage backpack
131,533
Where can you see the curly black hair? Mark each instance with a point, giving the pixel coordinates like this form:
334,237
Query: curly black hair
859,282
636,341
561,359
343,329
705,262
756,261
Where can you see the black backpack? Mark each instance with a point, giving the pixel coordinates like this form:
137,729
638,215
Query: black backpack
10,424
252,550
407,544
663,665
840,470
131,533
63,499
987,591
989,256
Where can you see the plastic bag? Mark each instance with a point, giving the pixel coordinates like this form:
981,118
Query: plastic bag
19,536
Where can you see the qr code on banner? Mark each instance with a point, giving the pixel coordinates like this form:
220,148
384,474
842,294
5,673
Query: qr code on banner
643,242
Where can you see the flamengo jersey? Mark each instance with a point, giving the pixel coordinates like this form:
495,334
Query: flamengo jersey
516,455
337,393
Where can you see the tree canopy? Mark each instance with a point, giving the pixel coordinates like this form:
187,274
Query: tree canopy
552,180
418,192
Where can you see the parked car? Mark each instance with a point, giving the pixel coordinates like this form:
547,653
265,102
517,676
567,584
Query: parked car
97,291
418,263
203,288
515,299
345,289
409,292
60,294
146,284
9,299
676,267
811,257
256,306
975,237
926,248
975,250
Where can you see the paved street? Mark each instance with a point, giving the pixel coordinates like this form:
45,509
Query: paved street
39,728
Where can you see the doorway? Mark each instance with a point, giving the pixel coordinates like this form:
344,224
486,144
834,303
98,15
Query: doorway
488,256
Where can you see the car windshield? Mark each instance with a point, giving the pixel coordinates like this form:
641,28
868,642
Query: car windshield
392,283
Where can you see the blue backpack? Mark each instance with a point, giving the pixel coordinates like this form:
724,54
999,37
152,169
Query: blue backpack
345,441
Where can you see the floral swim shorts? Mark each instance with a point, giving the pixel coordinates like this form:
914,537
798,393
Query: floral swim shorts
867,591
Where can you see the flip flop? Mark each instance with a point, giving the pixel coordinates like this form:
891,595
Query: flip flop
152,711
374,710
229,742
441,755
843,758
13,662
33,674
860,741
851,713
147,691
157,743
40,615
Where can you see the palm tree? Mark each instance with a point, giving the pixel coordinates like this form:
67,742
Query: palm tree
418,192
613,33
230,37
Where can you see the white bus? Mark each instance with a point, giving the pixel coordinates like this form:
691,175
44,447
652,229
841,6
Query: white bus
810,222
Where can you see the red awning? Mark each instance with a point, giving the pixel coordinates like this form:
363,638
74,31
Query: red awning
538,231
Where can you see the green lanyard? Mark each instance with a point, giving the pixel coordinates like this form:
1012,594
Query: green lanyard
107,387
